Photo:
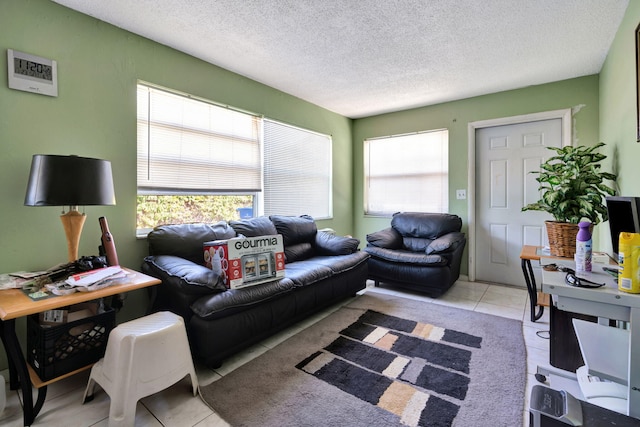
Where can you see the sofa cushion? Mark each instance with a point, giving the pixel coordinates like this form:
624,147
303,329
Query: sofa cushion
330,244
185,240
234,300
298,252
307,272
407,257
341,263
188,277
295,229
252,227
446,242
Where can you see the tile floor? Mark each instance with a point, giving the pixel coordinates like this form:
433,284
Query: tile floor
177,407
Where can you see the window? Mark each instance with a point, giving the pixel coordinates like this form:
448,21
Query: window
193,155
200,162
297,171
407,173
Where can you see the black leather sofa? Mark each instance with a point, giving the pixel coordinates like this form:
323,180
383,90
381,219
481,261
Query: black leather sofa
320,269
420,251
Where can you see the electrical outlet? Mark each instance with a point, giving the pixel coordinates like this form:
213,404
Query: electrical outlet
461,194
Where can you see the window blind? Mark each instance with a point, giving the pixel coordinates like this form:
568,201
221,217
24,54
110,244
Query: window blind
297,177
190,146
407,173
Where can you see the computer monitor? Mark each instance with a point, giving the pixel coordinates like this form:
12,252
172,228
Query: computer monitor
623,216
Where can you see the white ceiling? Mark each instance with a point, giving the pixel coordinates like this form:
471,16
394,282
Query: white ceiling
364,57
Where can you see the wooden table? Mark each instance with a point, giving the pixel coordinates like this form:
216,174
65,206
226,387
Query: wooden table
15,304
538,299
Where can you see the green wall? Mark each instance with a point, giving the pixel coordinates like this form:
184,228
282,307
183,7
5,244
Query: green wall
94,115
580,94
618,111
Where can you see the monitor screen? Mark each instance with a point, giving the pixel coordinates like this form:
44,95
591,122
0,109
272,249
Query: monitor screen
623,216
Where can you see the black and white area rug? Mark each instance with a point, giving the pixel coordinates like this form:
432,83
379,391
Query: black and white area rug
381,361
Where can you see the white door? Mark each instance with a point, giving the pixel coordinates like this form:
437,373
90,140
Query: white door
504,157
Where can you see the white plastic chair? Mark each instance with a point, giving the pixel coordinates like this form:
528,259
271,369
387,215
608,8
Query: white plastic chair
143,356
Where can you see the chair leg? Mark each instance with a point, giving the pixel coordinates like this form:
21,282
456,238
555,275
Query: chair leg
194,383
122,413
88,392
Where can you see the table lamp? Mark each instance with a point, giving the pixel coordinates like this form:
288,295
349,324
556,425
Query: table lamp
70,181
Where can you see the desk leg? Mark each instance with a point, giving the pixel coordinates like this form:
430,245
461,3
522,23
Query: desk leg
633,373
19,373
530,279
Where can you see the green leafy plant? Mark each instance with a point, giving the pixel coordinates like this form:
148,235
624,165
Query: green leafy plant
572,185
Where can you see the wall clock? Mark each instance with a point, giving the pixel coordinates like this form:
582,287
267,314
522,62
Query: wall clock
32,73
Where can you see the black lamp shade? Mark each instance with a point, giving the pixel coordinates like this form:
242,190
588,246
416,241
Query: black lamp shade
69,181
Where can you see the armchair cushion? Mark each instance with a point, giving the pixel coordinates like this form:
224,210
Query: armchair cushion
408,257
330,244
188,277
387,238
445,242
425,225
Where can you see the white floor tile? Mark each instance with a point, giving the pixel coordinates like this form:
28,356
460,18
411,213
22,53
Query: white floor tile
536,338
213,420
177,406
467,290
500,310
509,299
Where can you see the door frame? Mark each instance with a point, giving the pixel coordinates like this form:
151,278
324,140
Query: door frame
564,115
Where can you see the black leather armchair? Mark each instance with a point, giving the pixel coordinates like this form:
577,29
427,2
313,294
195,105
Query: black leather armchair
420,251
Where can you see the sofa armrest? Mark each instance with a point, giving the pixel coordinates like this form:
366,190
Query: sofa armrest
330,244
183,275
387,238
446,243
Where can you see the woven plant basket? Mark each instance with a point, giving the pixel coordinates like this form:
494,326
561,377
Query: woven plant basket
562,238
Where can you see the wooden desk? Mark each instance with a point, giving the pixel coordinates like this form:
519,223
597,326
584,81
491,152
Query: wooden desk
15,304
537,299
607,303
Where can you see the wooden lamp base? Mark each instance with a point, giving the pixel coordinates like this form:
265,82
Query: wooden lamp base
73,221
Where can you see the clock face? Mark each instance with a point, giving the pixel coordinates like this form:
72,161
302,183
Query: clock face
32,73
34,69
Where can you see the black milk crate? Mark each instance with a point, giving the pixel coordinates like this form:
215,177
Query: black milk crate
56,350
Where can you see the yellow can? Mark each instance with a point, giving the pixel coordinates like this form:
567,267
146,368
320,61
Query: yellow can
628,258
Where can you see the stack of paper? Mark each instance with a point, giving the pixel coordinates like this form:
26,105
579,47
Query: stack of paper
89,281
92,277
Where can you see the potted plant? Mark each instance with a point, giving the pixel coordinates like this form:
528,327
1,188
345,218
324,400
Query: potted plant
572,190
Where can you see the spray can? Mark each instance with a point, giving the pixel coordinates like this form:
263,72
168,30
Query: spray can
583,247
628,257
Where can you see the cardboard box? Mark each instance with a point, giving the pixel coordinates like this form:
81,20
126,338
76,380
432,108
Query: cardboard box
68,314
246,261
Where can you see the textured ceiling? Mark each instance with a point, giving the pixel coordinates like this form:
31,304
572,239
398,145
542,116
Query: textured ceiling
364,57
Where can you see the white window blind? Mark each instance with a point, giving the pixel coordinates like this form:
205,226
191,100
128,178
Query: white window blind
297,165
190,146
407,173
